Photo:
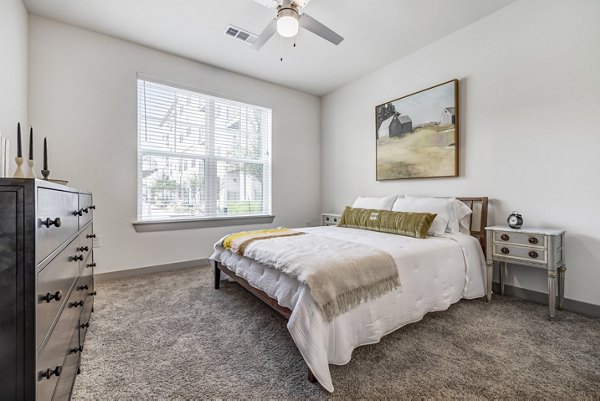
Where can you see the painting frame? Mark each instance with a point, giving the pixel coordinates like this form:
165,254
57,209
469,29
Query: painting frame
384,109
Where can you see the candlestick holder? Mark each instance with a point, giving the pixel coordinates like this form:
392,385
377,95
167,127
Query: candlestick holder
46,173
19,171
31,171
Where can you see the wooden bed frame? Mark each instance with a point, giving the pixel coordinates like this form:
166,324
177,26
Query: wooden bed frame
479,206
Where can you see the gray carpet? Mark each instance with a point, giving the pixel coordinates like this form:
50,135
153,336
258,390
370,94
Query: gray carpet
171,335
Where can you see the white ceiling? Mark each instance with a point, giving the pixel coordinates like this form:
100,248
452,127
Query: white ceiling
375,33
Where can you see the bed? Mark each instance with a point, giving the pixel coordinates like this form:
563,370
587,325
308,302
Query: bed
435,273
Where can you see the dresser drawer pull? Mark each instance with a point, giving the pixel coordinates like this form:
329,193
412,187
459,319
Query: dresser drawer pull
76,258
533,254
93,293
83,249
83,287
78,212
48,373
91,265
90,236
85,325
93,207
56,296
505,250
533,240
76,350
48,222
75,304
504,237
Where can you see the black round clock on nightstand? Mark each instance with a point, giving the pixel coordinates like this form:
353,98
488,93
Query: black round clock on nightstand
515,220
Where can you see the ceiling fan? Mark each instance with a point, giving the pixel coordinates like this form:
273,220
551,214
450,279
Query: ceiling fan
288,21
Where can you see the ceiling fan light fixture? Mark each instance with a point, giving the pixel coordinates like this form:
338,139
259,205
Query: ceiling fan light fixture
287,22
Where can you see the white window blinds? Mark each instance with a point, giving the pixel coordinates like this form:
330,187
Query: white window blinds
200,156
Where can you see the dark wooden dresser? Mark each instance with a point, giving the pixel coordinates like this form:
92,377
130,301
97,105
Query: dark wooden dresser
46,286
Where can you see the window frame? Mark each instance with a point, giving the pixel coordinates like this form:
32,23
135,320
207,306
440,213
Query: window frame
166,224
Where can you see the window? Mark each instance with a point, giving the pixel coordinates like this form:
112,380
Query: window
200,156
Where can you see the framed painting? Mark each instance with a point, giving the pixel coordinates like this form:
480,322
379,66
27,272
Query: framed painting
417,134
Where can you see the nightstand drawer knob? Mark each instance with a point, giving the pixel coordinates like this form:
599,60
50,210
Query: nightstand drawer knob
504,237
505,250
326,218
335,219
533,240
533,254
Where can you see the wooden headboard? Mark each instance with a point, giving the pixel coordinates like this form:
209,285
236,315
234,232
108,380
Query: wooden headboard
478,219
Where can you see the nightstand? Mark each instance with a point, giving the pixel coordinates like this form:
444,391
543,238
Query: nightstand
535,247
330,219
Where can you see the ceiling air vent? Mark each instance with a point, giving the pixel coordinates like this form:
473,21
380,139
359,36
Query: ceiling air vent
241,34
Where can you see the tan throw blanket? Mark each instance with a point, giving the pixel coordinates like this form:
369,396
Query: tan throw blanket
340,274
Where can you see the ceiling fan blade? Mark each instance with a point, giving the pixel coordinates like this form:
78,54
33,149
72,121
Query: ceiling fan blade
270,4
266,34
311,24
301,3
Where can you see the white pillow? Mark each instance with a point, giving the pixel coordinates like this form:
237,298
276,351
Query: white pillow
384,203
458,221
441,206
462,214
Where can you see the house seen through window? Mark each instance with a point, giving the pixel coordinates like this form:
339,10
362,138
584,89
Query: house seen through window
201,156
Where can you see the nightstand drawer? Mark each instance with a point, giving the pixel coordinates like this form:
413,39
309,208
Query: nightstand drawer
330,219
520,253
520,238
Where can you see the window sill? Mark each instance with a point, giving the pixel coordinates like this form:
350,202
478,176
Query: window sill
168,225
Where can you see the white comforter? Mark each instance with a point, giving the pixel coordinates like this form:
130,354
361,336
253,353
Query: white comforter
435,273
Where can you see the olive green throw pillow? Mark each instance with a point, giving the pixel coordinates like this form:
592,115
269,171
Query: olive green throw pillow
404,223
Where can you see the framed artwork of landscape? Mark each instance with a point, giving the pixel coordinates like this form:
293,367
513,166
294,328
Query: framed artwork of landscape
417,135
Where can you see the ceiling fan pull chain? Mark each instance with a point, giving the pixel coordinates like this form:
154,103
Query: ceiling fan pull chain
281,48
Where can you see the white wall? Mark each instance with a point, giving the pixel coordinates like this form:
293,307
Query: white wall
83,98
530,138
13,72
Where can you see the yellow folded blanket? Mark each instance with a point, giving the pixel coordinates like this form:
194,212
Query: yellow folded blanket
237,242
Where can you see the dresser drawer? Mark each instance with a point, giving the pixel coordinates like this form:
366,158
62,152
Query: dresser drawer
520,253
84,319
54,281
87,209
88,264
88,268
85,287
64,385
52,356
520,238
85,242
51,233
